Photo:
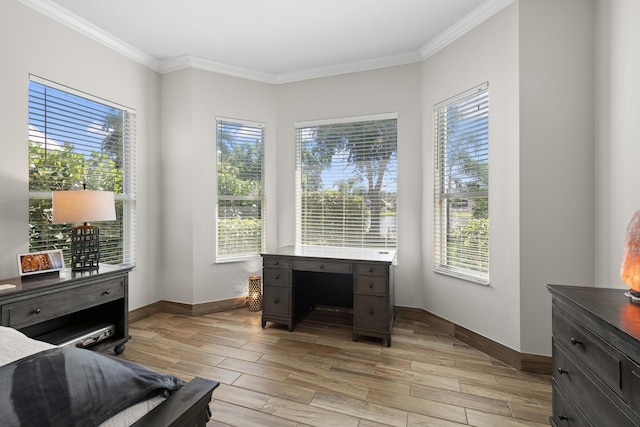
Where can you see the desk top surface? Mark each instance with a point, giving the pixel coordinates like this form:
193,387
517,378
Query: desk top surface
349,254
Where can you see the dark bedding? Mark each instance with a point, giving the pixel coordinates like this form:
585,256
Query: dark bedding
68,386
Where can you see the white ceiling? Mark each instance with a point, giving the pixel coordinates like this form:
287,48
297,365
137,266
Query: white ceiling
274,41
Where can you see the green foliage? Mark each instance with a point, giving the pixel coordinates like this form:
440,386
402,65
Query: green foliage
231,182
239,166
63,169
113,127
471,237
327,214
324,212
239,236
239,223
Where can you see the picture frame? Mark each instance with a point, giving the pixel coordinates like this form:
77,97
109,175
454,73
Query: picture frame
40,262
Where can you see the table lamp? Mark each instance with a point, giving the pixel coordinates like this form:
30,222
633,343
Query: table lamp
630,266
84,206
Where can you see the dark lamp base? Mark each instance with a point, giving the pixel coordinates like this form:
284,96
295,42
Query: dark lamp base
85,248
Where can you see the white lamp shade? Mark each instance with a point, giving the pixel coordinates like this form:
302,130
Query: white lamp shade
83,206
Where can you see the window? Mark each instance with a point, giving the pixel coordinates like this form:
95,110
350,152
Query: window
346,182
240,217
461,186
76,140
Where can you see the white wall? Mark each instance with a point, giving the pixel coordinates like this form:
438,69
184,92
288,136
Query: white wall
617,140
489,53
177,182
537,56
191,100
31,43
395,89
557,220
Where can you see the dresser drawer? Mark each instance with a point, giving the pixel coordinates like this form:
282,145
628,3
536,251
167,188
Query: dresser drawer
631,383
30,312
276,262
598,406
596,354
371,285
372,270
322,266
277,301
276,276
371,312
564,413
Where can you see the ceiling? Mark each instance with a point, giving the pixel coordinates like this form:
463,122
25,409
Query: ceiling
274,41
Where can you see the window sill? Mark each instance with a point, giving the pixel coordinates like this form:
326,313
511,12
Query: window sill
484,281
237,259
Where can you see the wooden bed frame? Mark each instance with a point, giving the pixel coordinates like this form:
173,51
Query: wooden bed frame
189,406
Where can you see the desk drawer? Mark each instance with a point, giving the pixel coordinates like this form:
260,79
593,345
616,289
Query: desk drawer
371,312
323,266
372,270
597,355
276,276
276,262
277,301
30,312
371,285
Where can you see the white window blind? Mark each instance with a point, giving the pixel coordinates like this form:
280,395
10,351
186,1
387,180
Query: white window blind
240,202
346,182
461,186
77,140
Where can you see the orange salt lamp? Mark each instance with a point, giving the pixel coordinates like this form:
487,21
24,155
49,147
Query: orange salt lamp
630,266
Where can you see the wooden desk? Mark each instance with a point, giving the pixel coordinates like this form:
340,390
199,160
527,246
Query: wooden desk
297,279
62,303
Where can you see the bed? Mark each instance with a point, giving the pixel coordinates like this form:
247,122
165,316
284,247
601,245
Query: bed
48,385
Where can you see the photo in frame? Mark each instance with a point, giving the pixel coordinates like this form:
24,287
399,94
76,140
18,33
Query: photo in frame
40,262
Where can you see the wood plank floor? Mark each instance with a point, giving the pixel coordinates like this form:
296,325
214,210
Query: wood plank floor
317,376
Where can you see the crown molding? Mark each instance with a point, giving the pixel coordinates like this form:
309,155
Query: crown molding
462,26
190,61
352,67
63,16
73,21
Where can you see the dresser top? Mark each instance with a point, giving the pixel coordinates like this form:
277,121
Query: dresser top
348,254
35,282
608,304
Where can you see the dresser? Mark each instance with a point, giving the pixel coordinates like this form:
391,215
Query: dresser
596,357
298,279
55,307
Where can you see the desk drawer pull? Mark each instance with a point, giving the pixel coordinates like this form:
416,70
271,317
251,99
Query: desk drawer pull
277,300
107,292
563,417
276,277
321,267
371,311
36,311
370,285
575,341
562,371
